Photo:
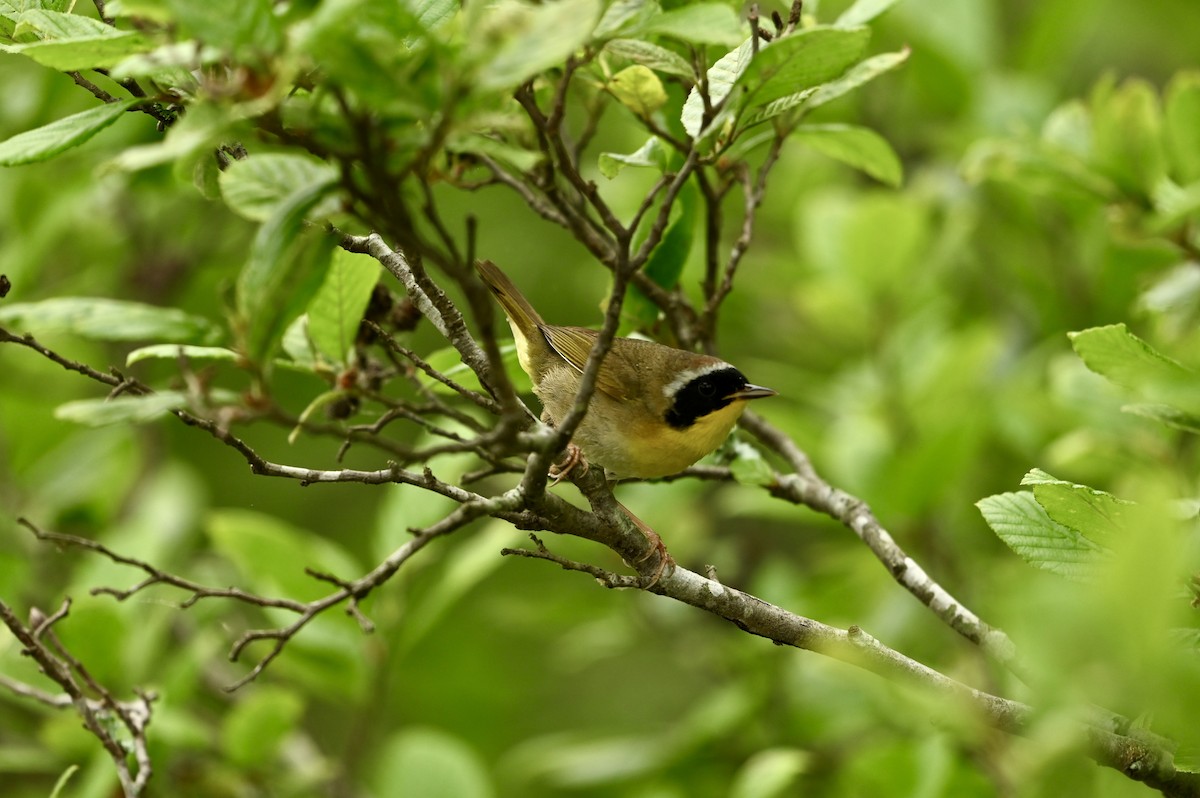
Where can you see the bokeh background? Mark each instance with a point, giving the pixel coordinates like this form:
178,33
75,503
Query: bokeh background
917,337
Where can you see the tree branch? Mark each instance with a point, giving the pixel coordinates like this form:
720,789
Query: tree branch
1136,758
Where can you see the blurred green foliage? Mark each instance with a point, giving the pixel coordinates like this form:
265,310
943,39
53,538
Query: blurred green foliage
917,334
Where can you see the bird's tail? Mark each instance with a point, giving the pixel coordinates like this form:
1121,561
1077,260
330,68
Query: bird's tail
521,315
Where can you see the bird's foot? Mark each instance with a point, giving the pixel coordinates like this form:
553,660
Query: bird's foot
572,458
657,545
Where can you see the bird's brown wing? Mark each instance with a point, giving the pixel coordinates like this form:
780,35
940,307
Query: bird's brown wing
574,344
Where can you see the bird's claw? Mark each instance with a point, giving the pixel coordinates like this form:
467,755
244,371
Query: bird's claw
664,557
571,458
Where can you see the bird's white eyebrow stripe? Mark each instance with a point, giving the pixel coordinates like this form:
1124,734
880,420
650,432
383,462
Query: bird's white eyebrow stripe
685,377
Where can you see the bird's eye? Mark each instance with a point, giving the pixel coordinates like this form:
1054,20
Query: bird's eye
706,389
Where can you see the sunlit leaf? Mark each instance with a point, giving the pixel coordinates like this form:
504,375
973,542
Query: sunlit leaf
720,79
1130,362
651,154
638,89
177,351
71,42
45,142
1097,515
1024,525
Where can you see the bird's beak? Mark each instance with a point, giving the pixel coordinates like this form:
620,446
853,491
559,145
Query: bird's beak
753,392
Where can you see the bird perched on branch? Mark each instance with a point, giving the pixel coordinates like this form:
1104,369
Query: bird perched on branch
656,409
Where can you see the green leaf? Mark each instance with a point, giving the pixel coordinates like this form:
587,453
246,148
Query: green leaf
200,129
11,11
1024,525
660,59
699,23
447,362
108,320
1127,136
666,262
859,147
298,346
431,764
543,37
862,72
1173,204
177,351
324,399
254,187
749,467
1182,125
122,409
272,554
519,158
244,28
771,773
45,142
1036,168
862,12
280,272
336,311
638,89
1165,414
802,60
432,14
651,154
625,16
782,69
721,78
460,572
761,113
1115,353
253,731
70,42
1097,515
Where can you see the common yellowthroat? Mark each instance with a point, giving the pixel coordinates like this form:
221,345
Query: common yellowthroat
656,409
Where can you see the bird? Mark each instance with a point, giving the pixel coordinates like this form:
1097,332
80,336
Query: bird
656,409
